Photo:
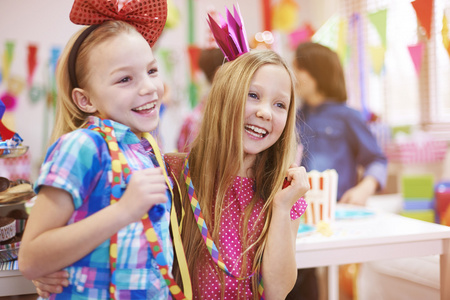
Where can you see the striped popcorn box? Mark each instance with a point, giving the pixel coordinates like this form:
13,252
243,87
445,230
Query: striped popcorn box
322,196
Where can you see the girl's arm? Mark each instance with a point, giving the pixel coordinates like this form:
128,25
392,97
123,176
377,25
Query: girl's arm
279,267
48,244
359,194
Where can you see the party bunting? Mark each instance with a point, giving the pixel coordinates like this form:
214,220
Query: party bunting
376,54
445,33
7,59
285,15
302,34
32,62
327,34
342,45
416,52
378,20
424,12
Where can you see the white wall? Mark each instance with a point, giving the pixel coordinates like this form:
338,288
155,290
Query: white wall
46,23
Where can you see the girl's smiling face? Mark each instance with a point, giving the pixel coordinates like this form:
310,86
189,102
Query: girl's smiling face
124,84
266,109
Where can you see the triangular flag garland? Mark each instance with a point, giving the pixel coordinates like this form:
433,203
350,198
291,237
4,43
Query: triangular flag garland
416,52
327,34
378,20
445,33
376,54
302,34
424,12
342,48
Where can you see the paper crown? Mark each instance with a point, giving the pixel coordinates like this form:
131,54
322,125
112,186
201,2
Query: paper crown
230,34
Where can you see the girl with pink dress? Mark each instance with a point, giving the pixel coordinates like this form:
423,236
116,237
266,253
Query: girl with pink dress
239,228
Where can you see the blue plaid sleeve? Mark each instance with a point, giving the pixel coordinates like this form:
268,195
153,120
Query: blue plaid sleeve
75,163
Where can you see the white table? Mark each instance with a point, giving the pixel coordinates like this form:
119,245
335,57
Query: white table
378,237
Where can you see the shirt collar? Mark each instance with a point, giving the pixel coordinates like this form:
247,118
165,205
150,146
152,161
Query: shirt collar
123,133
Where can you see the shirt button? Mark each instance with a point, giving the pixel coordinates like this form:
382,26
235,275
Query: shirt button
328,130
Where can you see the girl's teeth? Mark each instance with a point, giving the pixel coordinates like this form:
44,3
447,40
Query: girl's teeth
145,107
255,131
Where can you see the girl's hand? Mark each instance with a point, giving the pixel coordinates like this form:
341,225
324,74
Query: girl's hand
145,189
51,284
299,185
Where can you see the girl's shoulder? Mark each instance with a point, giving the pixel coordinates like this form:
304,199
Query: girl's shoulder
82,140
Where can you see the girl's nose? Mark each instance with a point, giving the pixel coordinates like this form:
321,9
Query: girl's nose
148,85
264,112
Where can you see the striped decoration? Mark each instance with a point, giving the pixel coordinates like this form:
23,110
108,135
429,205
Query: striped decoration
215,254
119,165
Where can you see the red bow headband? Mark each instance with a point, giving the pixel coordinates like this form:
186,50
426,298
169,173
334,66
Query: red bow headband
147,16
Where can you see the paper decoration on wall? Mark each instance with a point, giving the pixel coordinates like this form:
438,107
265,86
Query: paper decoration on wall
424,12
285,15
445,33
167,61
327,34
9,100
191,22
5,132
53,61
8,56
376,54
378,20
302,34
267,15
194,54
32,63
173,15
342,45
416,52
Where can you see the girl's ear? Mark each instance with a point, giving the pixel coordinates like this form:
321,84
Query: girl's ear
81,99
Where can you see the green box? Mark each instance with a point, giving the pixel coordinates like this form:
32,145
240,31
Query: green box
427,215
418,186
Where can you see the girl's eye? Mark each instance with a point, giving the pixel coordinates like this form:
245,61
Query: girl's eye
125,79
253,95
152,71
281,105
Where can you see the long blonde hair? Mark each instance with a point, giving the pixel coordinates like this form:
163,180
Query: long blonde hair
68,116
217,154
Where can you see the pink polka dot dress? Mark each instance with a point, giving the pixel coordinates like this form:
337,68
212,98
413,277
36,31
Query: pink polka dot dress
230,246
